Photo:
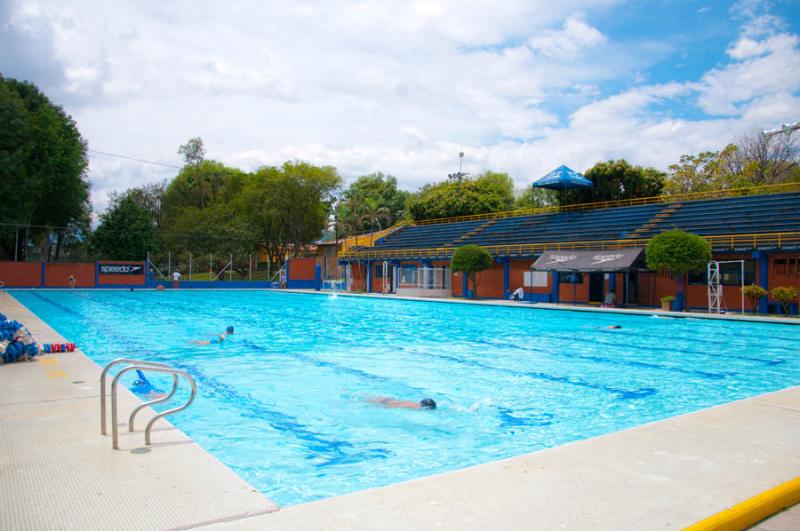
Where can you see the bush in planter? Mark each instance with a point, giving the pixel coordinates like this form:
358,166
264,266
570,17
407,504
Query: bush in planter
666,302
679,252
754,294
786,296
471,259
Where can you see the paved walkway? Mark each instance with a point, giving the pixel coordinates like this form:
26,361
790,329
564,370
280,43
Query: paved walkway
58,472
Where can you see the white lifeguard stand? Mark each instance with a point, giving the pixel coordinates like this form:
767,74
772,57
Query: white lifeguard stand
715,287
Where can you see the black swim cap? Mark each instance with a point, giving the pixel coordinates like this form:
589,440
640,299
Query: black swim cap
229,329
428,403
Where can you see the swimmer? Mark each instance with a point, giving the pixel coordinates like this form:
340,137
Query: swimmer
219,339
426,403
610,327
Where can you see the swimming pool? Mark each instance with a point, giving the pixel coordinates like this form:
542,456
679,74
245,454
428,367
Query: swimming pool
283,402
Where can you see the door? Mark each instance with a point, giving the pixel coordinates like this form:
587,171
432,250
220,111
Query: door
596,287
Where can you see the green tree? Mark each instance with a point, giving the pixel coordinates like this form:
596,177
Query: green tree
43,165
489,192
126,232
785,296
754,294
470,260
379,191
289,206
678,252
617,179
531,197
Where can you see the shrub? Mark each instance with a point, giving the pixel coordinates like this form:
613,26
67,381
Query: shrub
667,298
679,252
786,296
471,259
754,294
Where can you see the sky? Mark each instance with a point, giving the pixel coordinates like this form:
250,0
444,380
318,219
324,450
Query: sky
403,86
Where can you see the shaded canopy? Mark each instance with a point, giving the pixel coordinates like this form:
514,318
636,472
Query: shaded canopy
588,261
563,178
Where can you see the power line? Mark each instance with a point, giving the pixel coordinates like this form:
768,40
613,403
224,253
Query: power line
134,159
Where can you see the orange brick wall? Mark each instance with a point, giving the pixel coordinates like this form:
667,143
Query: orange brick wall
56,275
21,274
302,268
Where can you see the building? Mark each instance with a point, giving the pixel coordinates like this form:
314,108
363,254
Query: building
756,234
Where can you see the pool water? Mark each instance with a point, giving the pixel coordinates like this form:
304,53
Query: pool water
284,401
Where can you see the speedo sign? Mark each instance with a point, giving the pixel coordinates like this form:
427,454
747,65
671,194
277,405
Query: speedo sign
121,269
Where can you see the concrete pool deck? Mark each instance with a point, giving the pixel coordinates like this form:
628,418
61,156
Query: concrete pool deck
59,472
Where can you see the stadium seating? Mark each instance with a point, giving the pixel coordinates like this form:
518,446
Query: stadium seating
738,215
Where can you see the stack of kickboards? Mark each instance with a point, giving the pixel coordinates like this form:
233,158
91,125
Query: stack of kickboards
16,342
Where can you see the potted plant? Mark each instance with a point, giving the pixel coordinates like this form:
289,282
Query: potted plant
666,302
785,296
754,294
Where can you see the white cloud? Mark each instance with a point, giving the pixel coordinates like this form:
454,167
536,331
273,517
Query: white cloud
567,43
397,86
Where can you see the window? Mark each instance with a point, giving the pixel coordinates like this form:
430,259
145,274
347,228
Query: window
728,274
571,278
535,279
787,266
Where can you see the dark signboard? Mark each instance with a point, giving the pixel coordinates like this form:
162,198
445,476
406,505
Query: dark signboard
121,269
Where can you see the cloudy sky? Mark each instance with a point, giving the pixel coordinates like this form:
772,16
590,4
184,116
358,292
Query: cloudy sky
403,86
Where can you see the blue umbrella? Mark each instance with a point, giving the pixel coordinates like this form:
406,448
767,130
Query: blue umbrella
563,178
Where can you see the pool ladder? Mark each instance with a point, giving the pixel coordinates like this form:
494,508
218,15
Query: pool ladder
133,365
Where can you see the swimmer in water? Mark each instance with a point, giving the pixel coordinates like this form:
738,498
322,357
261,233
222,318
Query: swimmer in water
610,327
219,339
426,403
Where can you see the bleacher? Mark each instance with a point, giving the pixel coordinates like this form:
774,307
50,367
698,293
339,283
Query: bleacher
737,215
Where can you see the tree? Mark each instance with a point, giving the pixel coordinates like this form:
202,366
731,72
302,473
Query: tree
470,260
617,179
785,296
489,192
43,165
126,232
380,191
193,155
373,215
754,294
679,252
755,160
531,197
289,206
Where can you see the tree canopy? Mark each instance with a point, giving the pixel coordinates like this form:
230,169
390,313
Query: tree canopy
43,167
470,260
376,196
754,160
618,179
126,231
489,192
677,251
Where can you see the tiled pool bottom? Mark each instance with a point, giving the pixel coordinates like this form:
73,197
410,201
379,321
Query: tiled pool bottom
284,401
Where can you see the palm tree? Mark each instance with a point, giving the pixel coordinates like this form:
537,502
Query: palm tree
372,213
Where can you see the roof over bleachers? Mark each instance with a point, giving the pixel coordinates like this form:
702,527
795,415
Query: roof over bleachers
764,221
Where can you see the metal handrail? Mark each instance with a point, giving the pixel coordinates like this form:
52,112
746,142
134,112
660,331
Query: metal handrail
103,386
166,370
156,401
731,240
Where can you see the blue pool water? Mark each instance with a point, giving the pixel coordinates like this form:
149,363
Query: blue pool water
283,402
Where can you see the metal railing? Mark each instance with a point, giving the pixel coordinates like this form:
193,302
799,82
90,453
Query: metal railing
727,241
143,366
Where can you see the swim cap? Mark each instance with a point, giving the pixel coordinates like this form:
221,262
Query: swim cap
428,403
229,329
